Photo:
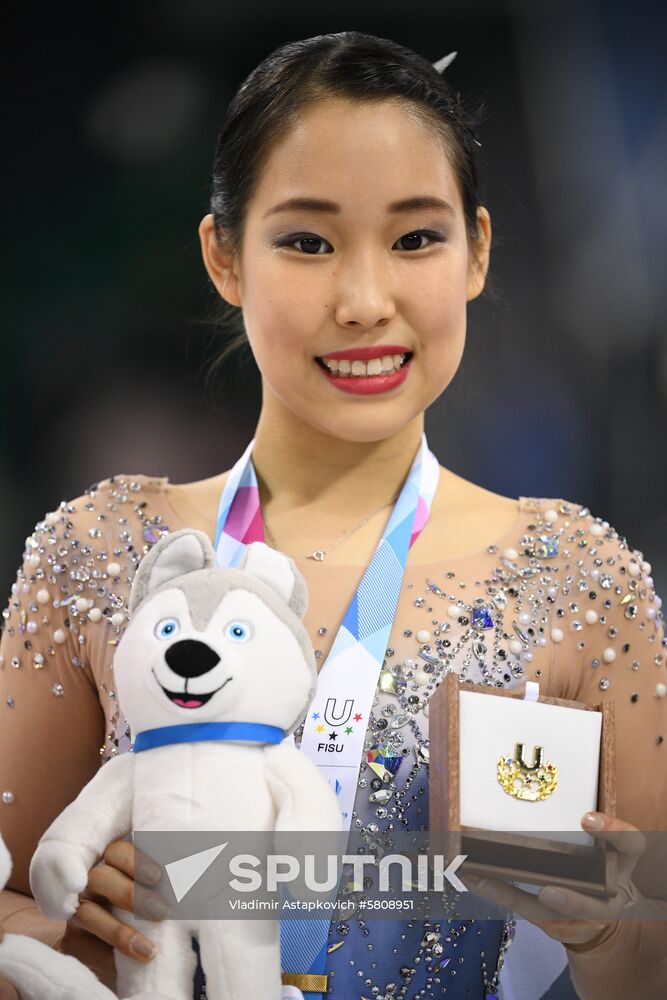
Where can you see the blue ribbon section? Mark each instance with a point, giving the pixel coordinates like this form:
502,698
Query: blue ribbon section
253,732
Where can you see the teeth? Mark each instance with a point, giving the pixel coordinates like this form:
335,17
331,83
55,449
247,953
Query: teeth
376,366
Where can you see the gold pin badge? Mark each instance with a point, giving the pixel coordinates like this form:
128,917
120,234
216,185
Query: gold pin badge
529,782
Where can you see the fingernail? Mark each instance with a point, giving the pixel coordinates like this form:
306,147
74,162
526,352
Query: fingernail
142,946
594,820
156,906
487,888
552,897
148,872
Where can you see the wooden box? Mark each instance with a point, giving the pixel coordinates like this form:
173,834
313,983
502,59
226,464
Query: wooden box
512,854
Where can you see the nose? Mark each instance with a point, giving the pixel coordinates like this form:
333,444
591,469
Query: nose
365,298
191,658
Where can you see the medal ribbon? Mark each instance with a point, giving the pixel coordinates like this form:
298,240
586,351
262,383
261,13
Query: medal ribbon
347,681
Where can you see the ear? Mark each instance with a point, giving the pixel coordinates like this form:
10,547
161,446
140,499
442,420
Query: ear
280,572
180,552
220,262
479,255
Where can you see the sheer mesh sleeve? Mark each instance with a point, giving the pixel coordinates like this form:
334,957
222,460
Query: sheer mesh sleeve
610,631
60,720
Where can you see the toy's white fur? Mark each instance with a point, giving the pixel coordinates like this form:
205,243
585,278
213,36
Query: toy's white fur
268,678
37,971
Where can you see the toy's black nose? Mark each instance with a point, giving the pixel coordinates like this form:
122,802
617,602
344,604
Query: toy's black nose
191,658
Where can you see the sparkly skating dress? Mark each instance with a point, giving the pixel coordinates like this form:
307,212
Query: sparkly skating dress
560,598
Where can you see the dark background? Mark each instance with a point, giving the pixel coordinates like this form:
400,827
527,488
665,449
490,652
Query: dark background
110,126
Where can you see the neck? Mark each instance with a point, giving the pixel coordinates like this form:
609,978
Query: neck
300,466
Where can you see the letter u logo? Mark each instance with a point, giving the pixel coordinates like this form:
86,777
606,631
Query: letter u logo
336,716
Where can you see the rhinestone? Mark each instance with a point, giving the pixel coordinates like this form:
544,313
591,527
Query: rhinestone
8,797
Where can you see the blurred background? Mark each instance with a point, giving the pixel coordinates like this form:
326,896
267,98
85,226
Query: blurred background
111,123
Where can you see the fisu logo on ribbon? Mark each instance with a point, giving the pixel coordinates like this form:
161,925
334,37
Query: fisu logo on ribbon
337,722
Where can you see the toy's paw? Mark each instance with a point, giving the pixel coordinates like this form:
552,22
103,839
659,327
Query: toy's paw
58,875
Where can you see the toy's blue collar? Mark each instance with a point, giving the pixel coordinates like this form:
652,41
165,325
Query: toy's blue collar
254,732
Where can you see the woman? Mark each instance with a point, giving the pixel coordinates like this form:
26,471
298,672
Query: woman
345,224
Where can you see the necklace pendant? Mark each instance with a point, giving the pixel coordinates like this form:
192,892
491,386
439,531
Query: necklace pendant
318,554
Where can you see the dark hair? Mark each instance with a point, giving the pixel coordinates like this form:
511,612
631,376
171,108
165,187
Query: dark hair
350,65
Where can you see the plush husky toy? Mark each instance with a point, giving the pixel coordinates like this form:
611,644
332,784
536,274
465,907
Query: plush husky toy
37,971
203,645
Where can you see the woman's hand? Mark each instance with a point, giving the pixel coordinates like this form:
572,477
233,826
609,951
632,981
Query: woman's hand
7,991
119,881
564,914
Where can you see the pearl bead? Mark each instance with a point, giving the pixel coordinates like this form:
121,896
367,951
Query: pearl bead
34,561
118,618
527,656
633,569
596,529
515,646
648,580
421,677
595,574
113,568
609,655
550,515
524,618
52,517
43,596
59,636
423,635
81,604
542,641
510,554
32,626
651,612
556,635
95,614
591,617
661,690
453,611
552,591
646,567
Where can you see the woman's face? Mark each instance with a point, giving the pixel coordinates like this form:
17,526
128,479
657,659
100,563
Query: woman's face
376,257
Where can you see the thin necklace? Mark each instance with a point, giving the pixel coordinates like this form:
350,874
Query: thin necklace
319,554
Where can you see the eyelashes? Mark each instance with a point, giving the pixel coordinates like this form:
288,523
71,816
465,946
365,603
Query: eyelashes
312,243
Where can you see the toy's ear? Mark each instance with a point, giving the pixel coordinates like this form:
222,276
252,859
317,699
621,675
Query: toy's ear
175,554
279,571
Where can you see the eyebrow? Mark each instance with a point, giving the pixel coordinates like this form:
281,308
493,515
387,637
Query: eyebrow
321,205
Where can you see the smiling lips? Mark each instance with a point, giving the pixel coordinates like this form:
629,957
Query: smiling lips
184,700
364,370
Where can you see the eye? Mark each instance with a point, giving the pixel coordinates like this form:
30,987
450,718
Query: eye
417,234
238,631
311,243
167,628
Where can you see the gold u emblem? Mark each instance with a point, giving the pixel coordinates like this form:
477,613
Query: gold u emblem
530,782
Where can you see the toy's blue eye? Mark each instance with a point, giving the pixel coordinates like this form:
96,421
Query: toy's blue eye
238,631
167,628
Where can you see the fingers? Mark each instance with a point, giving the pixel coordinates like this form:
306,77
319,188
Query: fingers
517,900
129,859
551,903
624,837
97,920
108,883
